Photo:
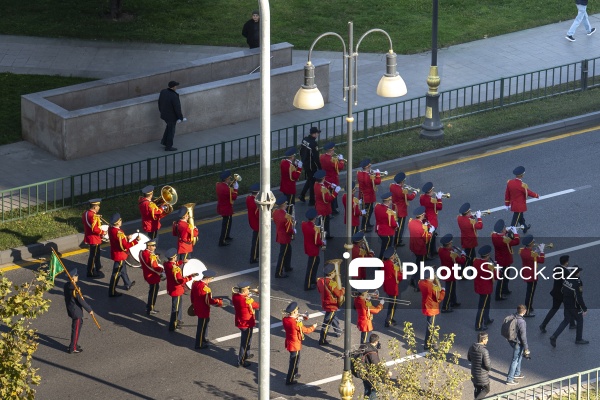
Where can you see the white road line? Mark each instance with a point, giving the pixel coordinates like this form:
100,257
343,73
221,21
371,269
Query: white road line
220,278
544,197
574,248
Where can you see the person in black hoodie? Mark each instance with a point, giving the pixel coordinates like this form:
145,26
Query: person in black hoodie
479,357
251,30
558,275
575,308
371,356
75,305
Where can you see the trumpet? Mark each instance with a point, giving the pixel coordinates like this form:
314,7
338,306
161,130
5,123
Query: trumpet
484,212
302,317
335,155
411,189
549,245
446,195
382,173
252,292
236,178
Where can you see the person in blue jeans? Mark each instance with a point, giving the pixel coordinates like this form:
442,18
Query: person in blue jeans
520,348
582,16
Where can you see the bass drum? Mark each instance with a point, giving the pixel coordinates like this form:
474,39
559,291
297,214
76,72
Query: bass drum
193,266
140,246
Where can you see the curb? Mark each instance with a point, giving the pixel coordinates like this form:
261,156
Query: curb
413,162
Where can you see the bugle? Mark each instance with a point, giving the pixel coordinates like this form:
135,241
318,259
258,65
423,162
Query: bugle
446,195
166,200
336,156
382,173
410,188
236,178
484,212
338,277
549,245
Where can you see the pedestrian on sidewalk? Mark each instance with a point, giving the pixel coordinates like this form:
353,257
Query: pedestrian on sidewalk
582,16
575,308
520,347
251,30
479,357
170,112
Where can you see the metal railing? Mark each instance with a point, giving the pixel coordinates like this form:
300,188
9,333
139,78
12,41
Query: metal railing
208,160
580,386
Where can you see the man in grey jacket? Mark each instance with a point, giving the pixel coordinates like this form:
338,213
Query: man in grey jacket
520,348
479,357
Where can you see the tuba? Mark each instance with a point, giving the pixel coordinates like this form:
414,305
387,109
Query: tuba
190,210
166,201
338,277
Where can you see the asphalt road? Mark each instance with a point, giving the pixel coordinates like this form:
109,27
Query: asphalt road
135,356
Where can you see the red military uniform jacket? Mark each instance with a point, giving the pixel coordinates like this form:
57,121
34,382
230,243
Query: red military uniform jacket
330,293
385,220
419,237
355,211
332,167
175,279
366,185
392,278
323,199
150,267
468,231
253,213
91,227
484,280
448,258
201,297
529,259
365,310
294,333
312,238
359,252
400,199
119,244
244,310
284,226
151,215
516,195
226,195
184,233
503,248
432,206
431,297
289,176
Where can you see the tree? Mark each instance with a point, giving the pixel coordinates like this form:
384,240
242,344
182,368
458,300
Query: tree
436,376
19,306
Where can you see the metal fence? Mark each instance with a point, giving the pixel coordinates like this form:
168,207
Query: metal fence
580,386
127,178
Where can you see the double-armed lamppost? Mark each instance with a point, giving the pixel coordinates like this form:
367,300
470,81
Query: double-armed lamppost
309,97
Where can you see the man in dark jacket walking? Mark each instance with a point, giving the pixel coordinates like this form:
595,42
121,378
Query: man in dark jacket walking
479,357
558,275
371,356
170,112
575,308
251,30
75,305
309,151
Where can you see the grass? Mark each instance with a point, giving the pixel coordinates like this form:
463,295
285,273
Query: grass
220,23
65,222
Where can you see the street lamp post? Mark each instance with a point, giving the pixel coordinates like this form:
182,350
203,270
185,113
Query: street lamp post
432,126
308,97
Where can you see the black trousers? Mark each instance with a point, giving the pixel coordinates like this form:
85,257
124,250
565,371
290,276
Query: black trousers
245,344
501,284
366,219
285,259
326,224
431,247
450,298
483,311
556,303
254,247
201,331
176,312
529,293
363,337
470,255
312,269
169,134
391,309
76,324
152,293
293,366
119,271
225,228
330,320
386,241
152,235
93,264
481,391
401,225
572,316
309,186
518,218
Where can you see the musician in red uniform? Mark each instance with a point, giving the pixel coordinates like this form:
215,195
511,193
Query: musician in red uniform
400,198
503,239
150,212
448,258
515,198
469,224
186,232
226,195
360,249
324,196
385,221
202,298
253,221
284,226
356,210
433,204
530,259
432,295
391,283
153,274
367,183
484,286
245,320
332,297
313,244
365,310
175,287
119,244
294,335
290,169
93,237
420,235
332,165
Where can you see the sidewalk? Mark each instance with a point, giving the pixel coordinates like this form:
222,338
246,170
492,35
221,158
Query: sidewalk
459,65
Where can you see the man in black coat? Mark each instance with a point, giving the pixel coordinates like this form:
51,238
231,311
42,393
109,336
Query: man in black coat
480,366
75,305
170,112
370,353
558,275
309,152
575,308
251,30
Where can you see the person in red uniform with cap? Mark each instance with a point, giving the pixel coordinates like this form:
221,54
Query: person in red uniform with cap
391,283
285,228
448,258
484,286
515,198
93,237
530,260
150,212
245,320
202,298
294,335
119,244
469,224
332,164
176,287
367,183
313,244
227,192
153,274
253,221
385,222
291,170
433,204
365,311
360,249
503,239
332,296
356,210
186,232
432,295
325,194
420,235
401,196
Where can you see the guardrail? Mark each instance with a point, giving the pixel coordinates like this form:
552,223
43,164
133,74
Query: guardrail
127,178
579,386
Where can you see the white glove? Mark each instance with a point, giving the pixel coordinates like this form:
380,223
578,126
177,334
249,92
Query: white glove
439,195
431,229
178,121
377,171
541,246
513,229
382,301
478,214
185,119
333,185
415,192
299,164
360,203
363,212
507,208
236,186
337,189
295,231
462,253
340,157
324,242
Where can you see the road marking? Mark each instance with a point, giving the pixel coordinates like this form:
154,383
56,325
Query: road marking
546,196
574,248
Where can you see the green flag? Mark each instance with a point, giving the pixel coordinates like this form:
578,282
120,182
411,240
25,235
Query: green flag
56,266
